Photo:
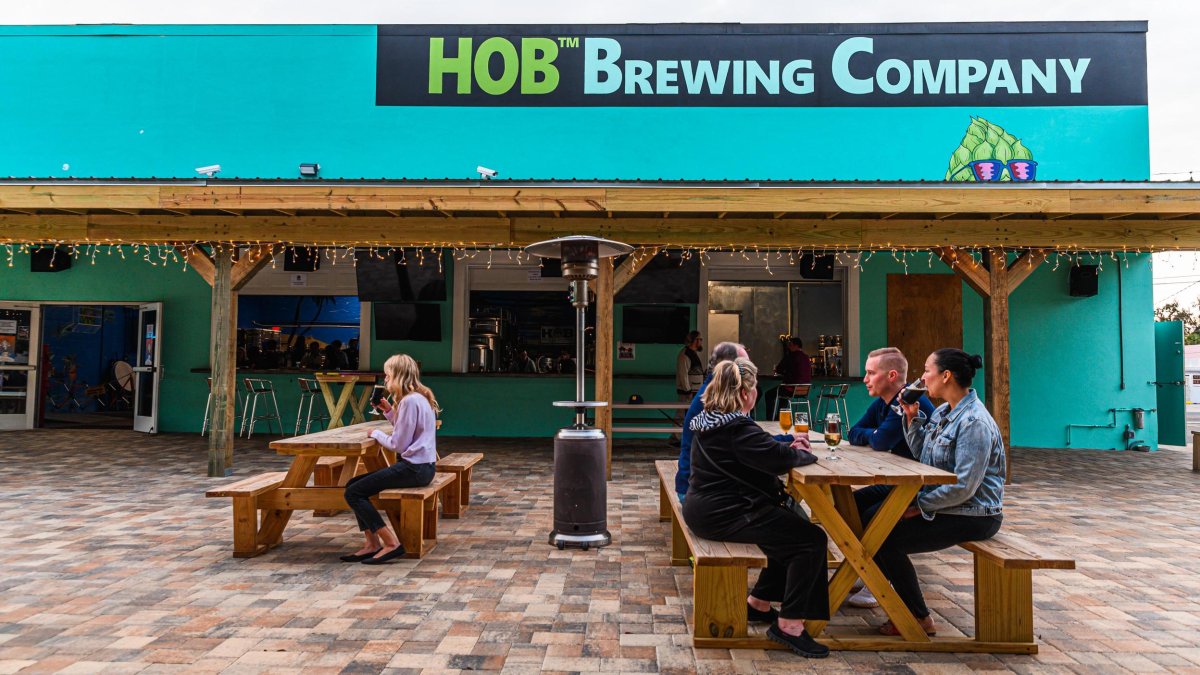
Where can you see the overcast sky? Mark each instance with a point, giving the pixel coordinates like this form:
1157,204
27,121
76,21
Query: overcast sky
1173,43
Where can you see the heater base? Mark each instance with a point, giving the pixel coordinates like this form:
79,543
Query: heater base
581,541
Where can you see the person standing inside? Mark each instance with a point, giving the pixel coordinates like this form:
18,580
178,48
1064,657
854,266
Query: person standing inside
413,439
689,373
795,368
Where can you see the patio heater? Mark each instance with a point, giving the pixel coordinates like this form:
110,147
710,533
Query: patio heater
580,487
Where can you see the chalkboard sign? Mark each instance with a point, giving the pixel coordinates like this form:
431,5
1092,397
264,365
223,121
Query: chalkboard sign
402,275
421,321
665,278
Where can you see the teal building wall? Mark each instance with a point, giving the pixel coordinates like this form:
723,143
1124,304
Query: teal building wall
159,101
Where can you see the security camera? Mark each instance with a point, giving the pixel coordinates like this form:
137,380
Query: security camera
209,170
486,173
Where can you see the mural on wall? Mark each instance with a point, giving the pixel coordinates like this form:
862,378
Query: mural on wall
988,153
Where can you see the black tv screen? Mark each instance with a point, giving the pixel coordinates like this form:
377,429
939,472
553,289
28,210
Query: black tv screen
420,321
653,324
403,275
665,278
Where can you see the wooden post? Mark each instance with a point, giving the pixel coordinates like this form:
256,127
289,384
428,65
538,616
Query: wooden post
995,337
1196,451
604,356
224,367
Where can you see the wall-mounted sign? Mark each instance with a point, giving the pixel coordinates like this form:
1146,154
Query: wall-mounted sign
952,64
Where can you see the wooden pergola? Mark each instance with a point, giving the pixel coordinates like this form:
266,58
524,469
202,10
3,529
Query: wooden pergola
244,220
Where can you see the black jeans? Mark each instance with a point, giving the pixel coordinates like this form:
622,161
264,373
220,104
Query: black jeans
917,535
795,575
360,489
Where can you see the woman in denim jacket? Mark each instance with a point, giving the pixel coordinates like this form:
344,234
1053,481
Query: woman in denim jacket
960,437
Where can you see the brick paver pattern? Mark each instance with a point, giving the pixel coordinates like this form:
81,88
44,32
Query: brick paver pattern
114,561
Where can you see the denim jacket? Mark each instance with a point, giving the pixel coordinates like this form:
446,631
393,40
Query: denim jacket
965,441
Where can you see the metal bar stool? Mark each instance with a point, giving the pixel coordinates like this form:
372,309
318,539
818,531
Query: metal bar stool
310,390
238,405
256,389
832,399
794,393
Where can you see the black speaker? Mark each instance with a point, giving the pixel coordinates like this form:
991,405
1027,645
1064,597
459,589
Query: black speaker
301,259
816,266
50,259
1085,280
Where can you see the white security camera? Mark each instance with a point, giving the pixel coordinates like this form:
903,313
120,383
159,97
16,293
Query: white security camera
209,170
486,173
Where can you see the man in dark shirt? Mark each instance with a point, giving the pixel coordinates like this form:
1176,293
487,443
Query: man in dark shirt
880,427
796,366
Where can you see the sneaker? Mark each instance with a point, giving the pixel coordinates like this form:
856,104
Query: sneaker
858,586
801,644
863,599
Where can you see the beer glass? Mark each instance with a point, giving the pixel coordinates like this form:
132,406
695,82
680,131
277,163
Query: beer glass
785,418
800,419
833,434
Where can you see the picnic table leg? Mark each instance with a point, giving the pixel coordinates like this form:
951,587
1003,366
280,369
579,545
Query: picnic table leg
271,532
1003,603
245,527
451,499
720,602
859,558
325,477
356,415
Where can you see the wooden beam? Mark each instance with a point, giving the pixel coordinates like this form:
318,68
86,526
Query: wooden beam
995,339
632,264
604,356
249,263
196,258
1097,200
813,232
966,268
224,368
1023,266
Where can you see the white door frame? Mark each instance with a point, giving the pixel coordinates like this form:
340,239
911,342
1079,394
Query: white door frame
148,423
26,421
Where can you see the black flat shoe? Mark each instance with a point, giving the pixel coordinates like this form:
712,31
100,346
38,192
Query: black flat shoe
802,644
759,616
386,557
356,557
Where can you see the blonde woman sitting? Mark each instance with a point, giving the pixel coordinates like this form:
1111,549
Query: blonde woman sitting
734,494
414,423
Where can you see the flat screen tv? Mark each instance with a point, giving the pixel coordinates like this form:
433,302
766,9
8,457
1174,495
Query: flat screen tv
665,278
420,321
655,324
403,275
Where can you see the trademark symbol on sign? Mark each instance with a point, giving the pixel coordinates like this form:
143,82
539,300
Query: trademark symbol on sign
568,42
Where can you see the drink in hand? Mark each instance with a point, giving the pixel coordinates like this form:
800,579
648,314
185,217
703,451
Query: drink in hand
913,392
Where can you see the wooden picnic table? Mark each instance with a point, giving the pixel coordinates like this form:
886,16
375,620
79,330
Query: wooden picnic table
669,410
827,487
348,380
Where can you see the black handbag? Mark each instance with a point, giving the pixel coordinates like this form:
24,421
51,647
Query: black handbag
788,502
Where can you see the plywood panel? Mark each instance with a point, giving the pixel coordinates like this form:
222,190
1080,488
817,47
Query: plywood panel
924,313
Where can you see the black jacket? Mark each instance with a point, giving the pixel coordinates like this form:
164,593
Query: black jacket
717,504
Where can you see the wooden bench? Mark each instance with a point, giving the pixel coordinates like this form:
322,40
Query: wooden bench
1004,568
418,513
719,582
455,499
245,495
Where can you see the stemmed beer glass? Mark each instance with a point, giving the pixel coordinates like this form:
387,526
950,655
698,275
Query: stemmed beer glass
833,434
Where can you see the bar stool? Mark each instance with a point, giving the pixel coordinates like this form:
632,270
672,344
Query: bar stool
793,393
237,403
309,391
832,400
256,389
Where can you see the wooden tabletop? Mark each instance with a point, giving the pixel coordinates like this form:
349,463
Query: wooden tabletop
860,465
347,377
353,440
674,405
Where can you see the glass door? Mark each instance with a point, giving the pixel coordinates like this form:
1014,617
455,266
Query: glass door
19,347
148,369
